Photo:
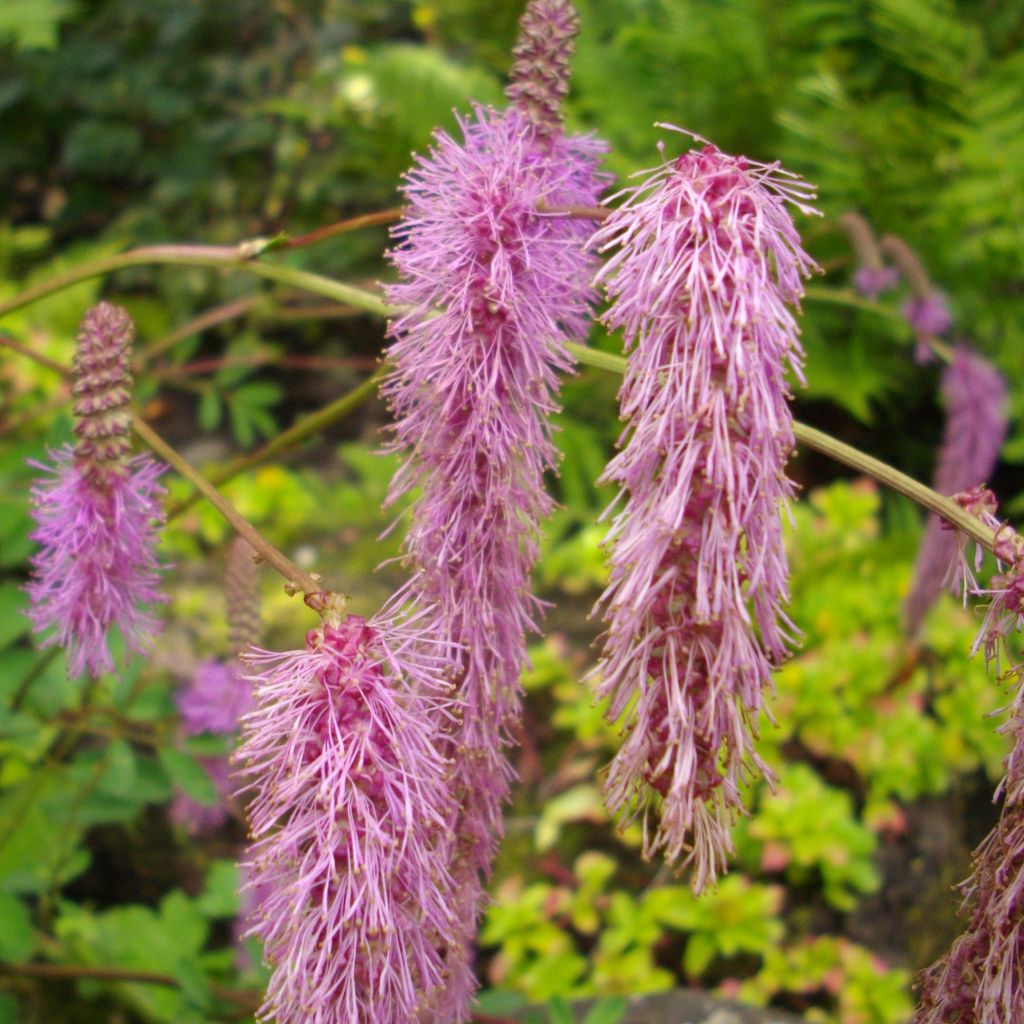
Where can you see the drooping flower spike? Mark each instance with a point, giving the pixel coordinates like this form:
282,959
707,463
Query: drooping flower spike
494,287
981,979
97,512
708,260
975,396
347,873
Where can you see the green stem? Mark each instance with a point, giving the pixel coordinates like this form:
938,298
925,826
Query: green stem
81,972
304,428
6,341
363,220
240,257
211,318
849,456
298,580
848,297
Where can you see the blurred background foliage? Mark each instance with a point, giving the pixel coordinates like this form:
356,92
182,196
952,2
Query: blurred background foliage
128,123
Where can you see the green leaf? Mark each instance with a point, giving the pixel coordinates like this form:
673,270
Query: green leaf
700,951
14,623
33,24
219,897
194,984
210,410
559,1012
190,776
37,839
607,1011
15,929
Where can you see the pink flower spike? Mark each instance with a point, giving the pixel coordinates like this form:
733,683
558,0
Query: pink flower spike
872,276
98,512
981,979
98,566
708,259
928,314
348,864
975,396
215,700
872,281
493,288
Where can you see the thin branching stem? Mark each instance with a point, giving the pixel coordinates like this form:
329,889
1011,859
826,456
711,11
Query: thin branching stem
295,577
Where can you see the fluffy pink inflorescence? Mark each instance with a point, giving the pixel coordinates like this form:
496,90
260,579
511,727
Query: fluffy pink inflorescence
981,979
707,260
213,703
493,289
872,281
97,566
872,276
215,700
976,397
928,314
347,867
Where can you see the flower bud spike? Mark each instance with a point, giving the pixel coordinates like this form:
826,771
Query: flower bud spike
242,596
539,80
101,389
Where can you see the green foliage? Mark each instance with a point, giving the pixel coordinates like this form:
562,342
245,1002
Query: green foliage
16,939
805,828
737,916
851,691
535,926
537,956
857,987
32,24
168,939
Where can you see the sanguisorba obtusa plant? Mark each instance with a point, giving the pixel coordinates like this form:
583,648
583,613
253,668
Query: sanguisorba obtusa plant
375,757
